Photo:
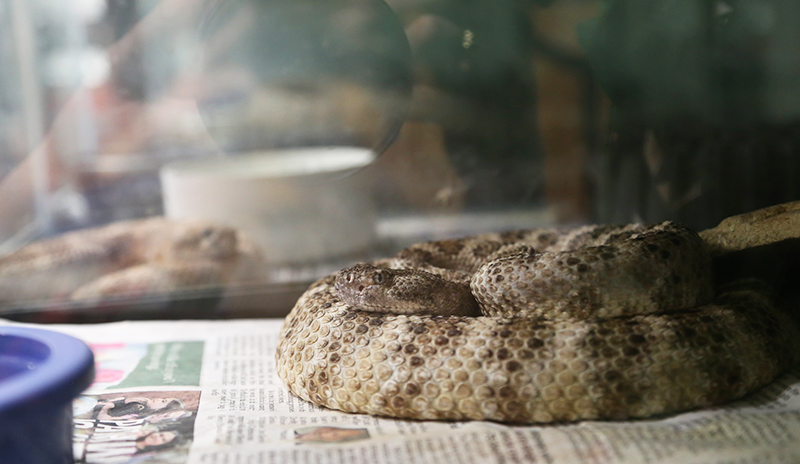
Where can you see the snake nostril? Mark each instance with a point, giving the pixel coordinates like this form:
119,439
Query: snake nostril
360,288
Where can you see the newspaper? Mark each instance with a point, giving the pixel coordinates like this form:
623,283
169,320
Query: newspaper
207,392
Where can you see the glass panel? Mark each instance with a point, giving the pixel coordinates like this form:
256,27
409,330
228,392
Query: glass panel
164,158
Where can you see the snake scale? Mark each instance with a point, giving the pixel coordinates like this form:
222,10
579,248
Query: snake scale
598,322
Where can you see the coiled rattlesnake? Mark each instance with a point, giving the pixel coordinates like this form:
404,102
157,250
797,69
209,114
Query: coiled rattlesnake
128,259
594,323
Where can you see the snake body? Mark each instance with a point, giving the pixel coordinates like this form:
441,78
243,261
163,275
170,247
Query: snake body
127,259
537,326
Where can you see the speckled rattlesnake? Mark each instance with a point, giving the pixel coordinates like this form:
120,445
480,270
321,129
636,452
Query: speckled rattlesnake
639,330
127,259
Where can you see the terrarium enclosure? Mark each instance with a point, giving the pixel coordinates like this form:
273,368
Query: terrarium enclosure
211,158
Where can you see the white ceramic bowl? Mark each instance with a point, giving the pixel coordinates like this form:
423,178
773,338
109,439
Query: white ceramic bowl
299,205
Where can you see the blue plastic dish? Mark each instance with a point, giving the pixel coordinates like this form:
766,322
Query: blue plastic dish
41,372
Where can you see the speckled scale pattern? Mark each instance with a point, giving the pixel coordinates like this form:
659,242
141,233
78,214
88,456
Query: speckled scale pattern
662,269
539,369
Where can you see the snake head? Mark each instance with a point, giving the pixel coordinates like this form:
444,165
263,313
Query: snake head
209,241
403,291
364,286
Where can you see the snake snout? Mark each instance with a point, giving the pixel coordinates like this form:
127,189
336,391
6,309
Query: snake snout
205,241
219,243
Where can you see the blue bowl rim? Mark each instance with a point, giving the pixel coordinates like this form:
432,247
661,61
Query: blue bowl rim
64,374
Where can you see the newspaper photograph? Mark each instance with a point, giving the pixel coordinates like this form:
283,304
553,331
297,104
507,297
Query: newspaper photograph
207,392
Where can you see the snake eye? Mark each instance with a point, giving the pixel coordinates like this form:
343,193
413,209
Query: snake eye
378,277
207,232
